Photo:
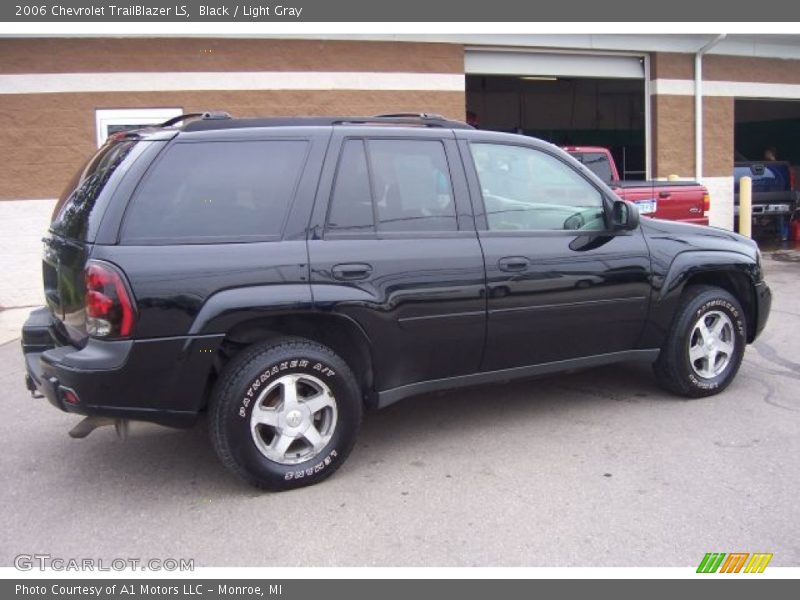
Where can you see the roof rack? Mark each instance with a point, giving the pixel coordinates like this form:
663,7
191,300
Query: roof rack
215,121
211,115
411,115
403,118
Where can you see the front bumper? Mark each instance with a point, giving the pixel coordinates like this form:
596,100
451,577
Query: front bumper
158,380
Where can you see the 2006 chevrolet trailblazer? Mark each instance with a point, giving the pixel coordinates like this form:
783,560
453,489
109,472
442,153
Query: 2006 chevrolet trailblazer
284,274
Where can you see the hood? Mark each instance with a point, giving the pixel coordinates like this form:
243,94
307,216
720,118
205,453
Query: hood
686,236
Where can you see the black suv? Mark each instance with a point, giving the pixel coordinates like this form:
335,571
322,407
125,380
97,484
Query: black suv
284,274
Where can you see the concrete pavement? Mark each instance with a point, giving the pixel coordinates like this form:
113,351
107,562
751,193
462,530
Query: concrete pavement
599,468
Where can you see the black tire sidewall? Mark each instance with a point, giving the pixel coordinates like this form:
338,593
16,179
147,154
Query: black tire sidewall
708,302
237,406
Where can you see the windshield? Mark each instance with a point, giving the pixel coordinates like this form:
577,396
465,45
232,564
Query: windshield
74,208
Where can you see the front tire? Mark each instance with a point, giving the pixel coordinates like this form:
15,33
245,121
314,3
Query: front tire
285,414
705,344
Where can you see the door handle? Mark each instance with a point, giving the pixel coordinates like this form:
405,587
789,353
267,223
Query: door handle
351,271
513,263
664,194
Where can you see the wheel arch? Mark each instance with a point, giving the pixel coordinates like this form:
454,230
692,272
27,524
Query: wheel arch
733,272
340,333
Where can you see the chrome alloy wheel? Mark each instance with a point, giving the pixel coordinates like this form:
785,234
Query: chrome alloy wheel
293,419
711,344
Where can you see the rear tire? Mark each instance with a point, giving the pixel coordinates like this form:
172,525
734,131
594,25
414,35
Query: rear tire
705,344
285,414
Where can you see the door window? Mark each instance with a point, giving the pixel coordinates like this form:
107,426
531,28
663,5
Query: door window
526,189
392,186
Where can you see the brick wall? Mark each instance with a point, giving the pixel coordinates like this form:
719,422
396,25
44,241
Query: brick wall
47,136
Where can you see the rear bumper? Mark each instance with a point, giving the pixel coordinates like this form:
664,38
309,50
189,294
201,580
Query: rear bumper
774,209
763,306
160,380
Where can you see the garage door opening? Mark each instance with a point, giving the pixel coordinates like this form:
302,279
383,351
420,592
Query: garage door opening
765,124
768,130
566,111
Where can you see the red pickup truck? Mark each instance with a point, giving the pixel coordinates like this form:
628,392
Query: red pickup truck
673,200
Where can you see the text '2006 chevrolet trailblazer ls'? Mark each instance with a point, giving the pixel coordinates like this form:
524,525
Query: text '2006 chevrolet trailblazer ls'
283,275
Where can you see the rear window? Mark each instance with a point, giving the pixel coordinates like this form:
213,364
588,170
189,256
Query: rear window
598,163
75,207
217,191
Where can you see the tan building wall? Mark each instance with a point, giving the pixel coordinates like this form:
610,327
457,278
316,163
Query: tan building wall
718,130
47,136
673,115
748,68
673,135
670,65
725,78
90,55
674,119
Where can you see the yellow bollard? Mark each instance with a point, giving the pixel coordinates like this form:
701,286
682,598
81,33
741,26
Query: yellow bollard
746,206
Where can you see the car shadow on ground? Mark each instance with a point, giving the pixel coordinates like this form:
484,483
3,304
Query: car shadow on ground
159,458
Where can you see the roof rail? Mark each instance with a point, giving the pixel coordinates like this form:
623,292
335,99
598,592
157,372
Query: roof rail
419,119
411,115
215,121
211,115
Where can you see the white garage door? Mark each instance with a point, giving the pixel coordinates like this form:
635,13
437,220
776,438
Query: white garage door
510,62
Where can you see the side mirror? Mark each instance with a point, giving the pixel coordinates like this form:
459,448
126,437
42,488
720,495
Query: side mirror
624,215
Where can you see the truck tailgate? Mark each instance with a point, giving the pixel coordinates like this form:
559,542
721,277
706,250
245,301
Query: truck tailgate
672,200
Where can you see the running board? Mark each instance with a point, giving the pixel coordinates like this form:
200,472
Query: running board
387,397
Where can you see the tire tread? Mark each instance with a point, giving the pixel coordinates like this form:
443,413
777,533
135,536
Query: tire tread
257,353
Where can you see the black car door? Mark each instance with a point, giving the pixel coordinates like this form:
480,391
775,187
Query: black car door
394,248
561,284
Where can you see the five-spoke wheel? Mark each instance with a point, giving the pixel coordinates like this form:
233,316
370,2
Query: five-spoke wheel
293,419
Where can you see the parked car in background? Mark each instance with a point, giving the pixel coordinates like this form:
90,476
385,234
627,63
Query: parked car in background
686,201
284,275
774,193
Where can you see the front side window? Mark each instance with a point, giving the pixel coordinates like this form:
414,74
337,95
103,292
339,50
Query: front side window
392,186
526,189
217,191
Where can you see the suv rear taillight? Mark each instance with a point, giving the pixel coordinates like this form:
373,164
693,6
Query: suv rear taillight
109,309
706,202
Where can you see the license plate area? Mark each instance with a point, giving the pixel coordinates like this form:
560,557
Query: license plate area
647,207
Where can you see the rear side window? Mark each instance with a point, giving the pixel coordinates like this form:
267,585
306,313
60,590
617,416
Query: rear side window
392,186
75,207
217,191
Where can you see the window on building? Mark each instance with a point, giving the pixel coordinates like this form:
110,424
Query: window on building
110,121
